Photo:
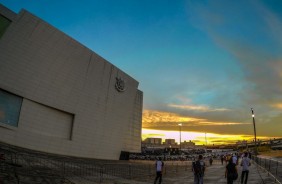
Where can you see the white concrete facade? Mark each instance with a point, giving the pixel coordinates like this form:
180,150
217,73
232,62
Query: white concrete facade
70,105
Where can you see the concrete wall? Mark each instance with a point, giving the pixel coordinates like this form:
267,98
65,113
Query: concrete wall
70,103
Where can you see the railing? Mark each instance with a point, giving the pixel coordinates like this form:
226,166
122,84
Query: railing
20,166
273,167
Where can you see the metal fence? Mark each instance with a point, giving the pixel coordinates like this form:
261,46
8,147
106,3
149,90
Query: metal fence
23,166
273,167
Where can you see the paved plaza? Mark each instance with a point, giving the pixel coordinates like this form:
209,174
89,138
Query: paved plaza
214,175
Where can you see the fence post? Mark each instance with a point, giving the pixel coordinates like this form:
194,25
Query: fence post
269,166
130,173
264,163
101,173
63,169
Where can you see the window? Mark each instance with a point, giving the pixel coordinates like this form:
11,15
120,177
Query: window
4,23
10,106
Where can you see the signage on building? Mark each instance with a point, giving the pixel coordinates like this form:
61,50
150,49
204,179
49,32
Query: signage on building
120,84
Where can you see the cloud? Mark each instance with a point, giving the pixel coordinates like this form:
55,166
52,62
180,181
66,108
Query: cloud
250,32
277,105
215,98
271,126
154,116
160,120
253,37
272,20
221,123
197,108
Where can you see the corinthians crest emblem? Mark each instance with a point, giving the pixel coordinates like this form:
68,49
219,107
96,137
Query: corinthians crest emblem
120,84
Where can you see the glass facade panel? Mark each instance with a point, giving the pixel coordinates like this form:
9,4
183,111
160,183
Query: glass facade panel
10,106
4,23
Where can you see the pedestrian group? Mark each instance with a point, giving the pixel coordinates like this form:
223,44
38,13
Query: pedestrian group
199,167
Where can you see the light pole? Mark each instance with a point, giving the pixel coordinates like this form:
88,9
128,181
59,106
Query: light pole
180,125
255,132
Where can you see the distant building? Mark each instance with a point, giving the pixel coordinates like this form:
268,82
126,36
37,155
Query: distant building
58,96
189,144
170,142
152,141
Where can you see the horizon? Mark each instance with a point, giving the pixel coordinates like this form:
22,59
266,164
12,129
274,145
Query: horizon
199,138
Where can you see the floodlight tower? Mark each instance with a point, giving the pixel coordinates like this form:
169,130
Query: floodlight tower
180,125
255,132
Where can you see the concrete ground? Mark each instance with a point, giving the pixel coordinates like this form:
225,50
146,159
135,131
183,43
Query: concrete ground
214,175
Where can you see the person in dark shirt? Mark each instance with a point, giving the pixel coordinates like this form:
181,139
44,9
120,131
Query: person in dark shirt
199,168
231,172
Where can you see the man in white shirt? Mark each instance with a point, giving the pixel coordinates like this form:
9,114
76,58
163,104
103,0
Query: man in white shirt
159,170
245,163
235,159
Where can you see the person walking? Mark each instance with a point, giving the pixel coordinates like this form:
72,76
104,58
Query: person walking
211,160
235,158
222,159
159,170
231,172
227,158
199,168
245,163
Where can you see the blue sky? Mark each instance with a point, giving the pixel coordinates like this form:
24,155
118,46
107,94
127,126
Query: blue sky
204,63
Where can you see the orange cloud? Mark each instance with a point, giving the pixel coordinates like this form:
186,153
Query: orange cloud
151,116
169,121
197,108
278,105
220,123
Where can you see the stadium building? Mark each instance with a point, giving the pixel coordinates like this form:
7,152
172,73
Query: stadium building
58,96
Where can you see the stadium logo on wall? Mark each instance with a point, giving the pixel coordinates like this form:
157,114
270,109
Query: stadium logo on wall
120,84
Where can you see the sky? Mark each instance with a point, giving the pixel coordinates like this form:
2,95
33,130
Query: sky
203,64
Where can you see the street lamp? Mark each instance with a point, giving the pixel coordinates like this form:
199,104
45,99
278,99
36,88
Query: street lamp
180,125
255,132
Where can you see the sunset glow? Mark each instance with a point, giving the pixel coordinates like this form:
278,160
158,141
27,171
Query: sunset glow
198,137
165,125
